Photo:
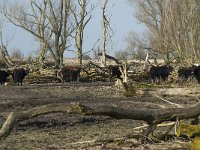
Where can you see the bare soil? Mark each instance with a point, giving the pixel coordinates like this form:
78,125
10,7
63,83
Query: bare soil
63,131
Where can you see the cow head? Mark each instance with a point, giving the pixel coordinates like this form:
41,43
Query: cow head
194,69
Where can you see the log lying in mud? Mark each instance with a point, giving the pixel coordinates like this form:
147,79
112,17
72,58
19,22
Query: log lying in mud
153,117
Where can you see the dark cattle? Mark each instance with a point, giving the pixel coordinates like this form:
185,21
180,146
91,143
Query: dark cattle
3,76
64,75
160,73
195,70
18,75
69,74
185,73
75,73
114,71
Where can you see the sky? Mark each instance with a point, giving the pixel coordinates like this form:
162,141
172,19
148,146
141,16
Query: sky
122,22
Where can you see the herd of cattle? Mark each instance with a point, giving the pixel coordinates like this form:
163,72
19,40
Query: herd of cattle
161,73
72,73
156,74
18,74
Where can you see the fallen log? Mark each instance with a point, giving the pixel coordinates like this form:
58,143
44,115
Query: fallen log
152,116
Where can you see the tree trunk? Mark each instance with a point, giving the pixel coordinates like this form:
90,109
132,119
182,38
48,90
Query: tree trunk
61,63
6,57
104,38
80,31
80,58
152,116
42,54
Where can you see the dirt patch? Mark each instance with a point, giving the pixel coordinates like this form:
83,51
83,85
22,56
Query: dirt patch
62,131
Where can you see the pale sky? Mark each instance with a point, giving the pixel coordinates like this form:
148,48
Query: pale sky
122,22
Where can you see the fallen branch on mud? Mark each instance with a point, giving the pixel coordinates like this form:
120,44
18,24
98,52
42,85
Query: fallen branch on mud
106,140
152,116
159,125
179,106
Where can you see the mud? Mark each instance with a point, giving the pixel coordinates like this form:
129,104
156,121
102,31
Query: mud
63,131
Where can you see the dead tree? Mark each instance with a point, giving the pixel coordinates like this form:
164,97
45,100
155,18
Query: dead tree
48,21
123,69
5,56
105,32
82,18
152,117
104,22
3,50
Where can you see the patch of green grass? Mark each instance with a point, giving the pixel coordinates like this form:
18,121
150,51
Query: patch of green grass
188,130
195,144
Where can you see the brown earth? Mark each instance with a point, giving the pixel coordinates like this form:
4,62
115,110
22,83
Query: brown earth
63,131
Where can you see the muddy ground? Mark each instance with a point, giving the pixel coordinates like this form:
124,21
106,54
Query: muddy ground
63,131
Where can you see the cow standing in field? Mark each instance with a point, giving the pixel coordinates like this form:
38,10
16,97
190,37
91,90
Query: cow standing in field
18,75
185,73
160,73
64,75
75,73
196,72
69,74
3,76
114,71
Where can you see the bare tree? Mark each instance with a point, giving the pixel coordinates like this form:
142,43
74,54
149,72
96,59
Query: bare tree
173,27
183,24
106,28
149,13
135,46
17,54
81,21
121,55
3,50
47,21
104,22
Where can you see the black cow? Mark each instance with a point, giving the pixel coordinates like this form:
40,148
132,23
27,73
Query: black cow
185,73
3,76
75,73
195,70
64,75
18,75
69,74
114,71
159,73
